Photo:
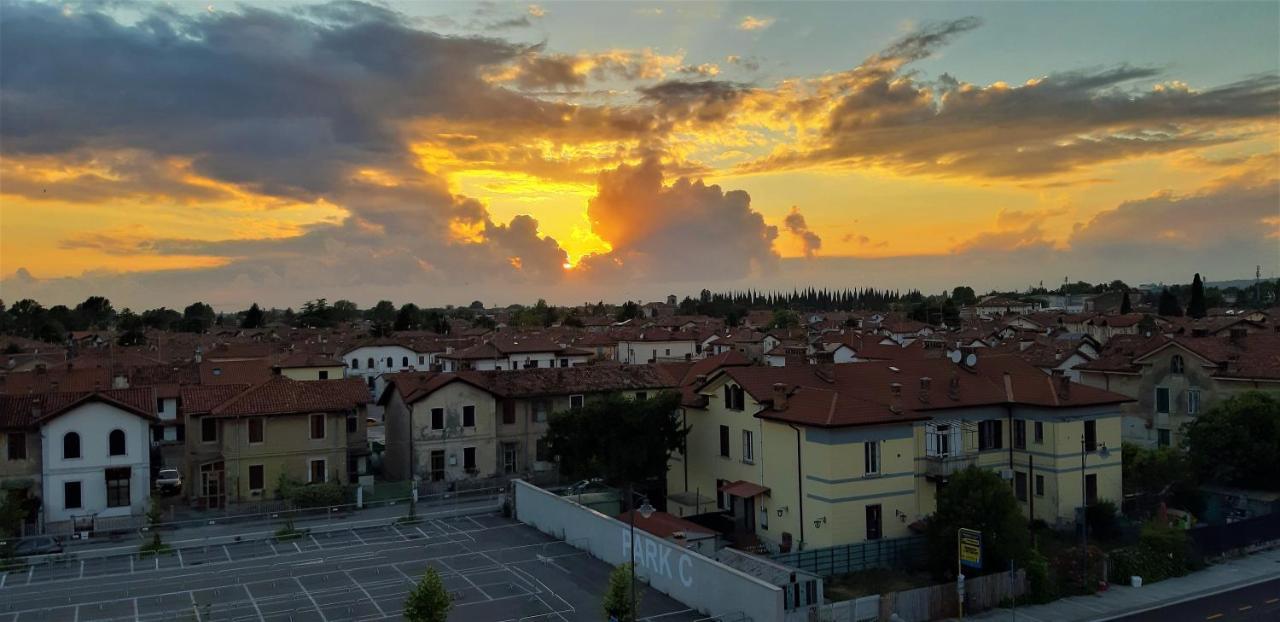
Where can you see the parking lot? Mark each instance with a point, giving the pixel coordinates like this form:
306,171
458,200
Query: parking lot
496,569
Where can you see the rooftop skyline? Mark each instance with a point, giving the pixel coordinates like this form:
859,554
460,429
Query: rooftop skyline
276,152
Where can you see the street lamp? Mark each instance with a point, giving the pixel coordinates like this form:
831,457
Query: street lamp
1103,453
646,511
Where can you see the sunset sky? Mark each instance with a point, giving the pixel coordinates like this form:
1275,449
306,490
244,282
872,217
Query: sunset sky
160,153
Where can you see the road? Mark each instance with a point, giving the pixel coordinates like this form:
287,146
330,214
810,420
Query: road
1259,602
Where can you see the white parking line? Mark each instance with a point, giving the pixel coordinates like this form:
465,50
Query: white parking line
29,572
482,527
82,569
181,564
253,601
366,594
309,597
3,577
467,579
424,534
194,605
135,609
353,532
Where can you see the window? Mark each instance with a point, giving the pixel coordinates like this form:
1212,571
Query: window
160,405
182,433
539,411
871,457
508,412
542,451
1193,401
353,425
437,465
739,398
1162,400
437,418
1019,434
17,446
724,441
71,447
668,352
217,371
576,401
318,471
509,457
256,477
564,362
370,361
404,361
317,427
1163,437
1039,432
208,430
1091,436
990,434
748,452
391,362
71,495
728,396
422,360
118,487
469,416
1039,485
469,459
1176,364
355,363
115,443
1020,485
256,429
641,396
323,374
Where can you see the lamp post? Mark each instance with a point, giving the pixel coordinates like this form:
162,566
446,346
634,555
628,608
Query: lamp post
1103,453
646,511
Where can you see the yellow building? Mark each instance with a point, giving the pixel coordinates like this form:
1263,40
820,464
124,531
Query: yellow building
817,456
1172,380
242,439
305,366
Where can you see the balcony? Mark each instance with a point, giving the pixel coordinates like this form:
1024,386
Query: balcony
946,465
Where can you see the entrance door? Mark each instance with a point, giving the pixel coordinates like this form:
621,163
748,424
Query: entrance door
509,457
749,520
873,522
211,484
437,465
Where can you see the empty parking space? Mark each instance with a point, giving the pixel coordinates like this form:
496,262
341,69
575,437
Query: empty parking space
493,568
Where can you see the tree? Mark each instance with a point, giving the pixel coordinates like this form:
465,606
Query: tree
977,499
1196,307
629,310
1237,442
784,318
1125,305
963,295
618,439
409,317
197,318
161,319
1169,306
344,311
382,317
484,321
617,597
253,318
131,329
95,312
1162,474
476,305
429,601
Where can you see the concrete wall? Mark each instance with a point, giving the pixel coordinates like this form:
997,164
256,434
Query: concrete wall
697,581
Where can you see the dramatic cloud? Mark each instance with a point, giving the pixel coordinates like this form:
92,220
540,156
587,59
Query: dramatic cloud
685,231
755,23
796,226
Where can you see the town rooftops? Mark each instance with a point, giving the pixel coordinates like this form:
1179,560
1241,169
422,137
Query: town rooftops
284,396
25,411
414,386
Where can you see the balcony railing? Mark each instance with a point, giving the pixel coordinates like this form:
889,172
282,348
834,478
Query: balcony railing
946,465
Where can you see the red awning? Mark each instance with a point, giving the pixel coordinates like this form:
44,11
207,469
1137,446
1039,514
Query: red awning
744,489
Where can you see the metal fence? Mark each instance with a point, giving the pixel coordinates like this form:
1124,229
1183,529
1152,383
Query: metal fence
1214,540
837,560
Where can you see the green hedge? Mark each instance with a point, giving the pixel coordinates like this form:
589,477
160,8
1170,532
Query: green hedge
1161,553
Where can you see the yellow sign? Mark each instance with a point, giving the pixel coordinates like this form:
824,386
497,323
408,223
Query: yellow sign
970,548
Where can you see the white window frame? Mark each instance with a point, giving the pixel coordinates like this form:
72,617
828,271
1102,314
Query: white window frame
871,458
310,470
1193,405
580,398
748,447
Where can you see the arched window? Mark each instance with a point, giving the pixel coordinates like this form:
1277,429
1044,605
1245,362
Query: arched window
70,446
115,443
370,362
391,362
355,363
1176,364
404,361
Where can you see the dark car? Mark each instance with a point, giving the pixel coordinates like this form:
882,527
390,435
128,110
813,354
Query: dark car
37,545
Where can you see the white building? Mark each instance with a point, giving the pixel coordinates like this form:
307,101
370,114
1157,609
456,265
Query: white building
96,458
514,352
658,344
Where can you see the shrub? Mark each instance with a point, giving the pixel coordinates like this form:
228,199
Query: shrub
1040,587
1102,520
429,601
313,495
1161,553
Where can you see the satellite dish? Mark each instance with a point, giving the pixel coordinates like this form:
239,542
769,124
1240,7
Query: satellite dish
954,356
971,360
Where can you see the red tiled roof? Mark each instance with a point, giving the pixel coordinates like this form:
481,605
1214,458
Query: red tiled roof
249,371
413,386
284,396
743,488
25,411
664,525
200,399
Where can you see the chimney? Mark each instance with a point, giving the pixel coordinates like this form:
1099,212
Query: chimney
779,396
1064,386
36,409
701,379
825,372
953,386
926,384
895,398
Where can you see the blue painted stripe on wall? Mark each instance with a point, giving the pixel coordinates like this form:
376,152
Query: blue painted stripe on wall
896,493
860,479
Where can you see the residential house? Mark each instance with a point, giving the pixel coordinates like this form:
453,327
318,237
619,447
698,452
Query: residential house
310,366
651,345
823,455
510,352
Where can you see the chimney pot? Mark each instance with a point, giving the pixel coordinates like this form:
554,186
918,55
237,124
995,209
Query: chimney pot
779,396
895,388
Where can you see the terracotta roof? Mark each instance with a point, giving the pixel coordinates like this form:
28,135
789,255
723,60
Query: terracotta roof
308,359
413,386
200,399
665,525
284,396
249,371
685,374
862,394
25,411
743,488
59,378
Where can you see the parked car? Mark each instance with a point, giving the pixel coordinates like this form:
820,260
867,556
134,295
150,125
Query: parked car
37,545
169,481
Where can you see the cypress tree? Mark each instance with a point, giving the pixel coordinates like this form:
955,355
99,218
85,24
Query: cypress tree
1125,305
1169,304
1196,307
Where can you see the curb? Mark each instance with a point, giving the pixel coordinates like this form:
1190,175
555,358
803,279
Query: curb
1223,588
